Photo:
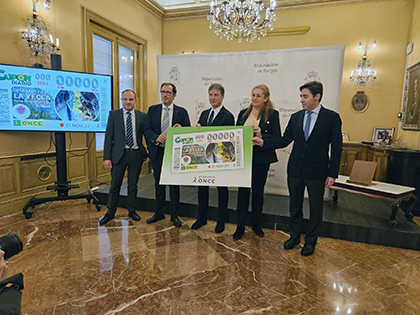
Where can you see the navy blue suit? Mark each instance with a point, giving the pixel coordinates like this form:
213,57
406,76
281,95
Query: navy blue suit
223,118
310,163
152,130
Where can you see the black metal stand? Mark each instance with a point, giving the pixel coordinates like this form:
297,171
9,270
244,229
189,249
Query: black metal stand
62,185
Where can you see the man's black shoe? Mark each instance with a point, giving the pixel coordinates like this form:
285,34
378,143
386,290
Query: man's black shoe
257,230
155,218
177,222
107,217
238,233
220,227
290,244
134,216
307,250
198,224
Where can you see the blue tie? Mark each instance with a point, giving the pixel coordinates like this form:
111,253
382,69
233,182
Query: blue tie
211,118
165,125
307,125
129,131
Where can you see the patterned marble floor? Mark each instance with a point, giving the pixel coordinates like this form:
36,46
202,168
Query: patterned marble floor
73,266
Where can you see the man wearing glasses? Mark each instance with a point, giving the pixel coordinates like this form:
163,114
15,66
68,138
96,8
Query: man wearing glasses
159,118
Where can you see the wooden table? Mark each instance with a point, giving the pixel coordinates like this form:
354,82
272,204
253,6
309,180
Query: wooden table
393,193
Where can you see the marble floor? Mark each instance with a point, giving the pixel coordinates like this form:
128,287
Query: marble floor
72,265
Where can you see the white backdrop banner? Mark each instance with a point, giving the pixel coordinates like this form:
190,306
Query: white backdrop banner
283,71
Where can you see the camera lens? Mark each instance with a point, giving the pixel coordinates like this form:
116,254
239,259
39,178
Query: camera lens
10,244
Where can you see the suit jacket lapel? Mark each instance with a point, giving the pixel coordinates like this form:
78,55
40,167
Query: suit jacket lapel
158,120
319,121
206,116
137,114
120,120
300,119
175,115
218,117
243,119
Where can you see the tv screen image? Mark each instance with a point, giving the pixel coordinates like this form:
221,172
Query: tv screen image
34,99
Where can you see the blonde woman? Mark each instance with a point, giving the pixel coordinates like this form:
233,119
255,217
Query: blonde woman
265,123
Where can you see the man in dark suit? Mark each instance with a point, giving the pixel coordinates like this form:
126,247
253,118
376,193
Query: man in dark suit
313,130
159,118
218,115
123,149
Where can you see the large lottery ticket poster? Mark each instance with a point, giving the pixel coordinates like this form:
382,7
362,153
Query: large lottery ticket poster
208,156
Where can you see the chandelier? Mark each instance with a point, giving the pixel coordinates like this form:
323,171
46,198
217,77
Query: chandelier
38,37
241,18
364,74
46,4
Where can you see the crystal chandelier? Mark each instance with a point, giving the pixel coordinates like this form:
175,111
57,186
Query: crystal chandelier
241,18
364,74
38,37
46,4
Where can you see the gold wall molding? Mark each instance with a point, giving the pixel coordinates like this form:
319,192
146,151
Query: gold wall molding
280,31
8,183
20,179
77,166
29,174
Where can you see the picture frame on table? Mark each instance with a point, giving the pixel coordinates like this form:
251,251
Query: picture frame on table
411,99
345,136
383,134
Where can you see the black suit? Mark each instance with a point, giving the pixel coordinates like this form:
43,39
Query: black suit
114,150
223,118
309,165
261,160
152,131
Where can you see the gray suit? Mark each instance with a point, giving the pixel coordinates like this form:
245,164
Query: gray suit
122,159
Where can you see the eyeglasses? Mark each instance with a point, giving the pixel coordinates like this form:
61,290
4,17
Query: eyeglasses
166,92
256,96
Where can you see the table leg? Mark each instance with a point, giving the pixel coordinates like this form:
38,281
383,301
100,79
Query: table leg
395,206
335,197
411,203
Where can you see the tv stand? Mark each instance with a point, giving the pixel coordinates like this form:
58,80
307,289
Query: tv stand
62,185
60,189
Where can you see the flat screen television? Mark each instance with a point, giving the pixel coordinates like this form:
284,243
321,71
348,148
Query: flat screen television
36,99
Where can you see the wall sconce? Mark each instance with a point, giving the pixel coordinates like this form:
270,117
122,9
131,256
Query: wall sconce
39,39
364,74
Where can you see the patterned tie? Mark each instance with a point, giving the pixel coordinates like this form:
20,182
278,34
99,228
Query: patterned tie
165,124
129,131
307,125
211,118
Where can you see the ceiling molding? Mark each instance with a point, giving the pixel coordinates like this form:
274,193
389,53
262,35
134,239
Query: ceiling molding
199,10
191,12
153,7
304,3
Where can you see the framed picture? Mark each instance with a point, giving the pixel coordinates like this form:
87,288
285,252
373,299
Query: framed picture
411,98
345,136
384,134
